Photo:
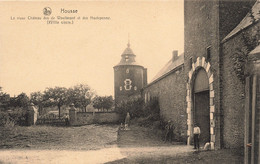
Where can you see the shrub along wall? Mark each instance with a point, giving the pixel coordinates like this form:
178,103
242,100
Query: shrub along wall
170,91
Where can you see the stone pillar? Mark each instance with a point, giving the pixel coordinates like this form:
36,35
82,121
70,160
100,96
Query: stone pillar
32,114
72,115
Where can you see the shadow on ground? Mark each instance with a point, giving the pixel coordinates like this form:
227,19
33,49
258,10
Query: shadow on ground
142,145
101,144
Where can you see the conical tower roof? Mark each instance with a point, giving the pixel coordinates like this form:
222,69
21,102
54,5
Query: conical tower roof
128,57
128,50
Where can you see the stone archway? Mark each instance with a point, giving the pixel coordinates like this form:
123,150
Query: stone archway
200,95
200,64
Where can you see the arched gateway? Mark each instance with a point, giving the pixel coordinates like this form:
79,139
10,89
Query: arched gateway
200,94
200,101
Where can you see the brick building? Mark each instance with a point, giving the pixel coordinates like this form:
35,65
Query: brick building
239,85
214,94
168,86
216,82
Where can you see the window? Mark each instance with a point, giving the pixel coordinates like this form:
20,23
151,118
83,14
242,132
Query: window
127,70
190,63
126,58
128,84
208,53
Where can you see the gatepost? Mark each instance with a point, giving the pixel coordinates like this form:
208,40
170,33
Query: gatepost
72,115
32,113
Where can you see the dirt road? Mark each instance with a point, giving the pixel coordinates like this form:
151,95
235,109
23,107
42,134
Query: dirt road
98,144
113,154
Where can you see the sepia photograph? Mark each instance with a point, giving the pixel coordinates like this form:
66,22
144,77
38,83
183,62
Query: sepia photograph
129,82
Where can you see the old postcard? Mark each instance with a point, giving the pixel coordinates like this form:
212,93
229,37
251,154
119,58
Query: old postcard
129,81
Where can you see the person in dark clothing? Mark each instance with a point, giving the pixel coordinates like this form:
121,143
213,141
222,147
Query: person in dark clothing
66,119
169,131
127,121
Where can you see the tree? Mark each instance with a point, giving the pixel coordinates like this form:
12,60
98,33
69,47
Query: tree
57,96
80,95
107,102
97,102
103,102
1,92
134,106
4,99
22,100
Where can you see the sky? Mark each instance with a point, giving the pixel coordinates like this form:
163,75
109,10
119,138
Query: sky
35,55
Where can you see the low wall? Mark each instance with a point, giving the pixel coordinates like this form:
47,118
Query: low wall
51,121
84,118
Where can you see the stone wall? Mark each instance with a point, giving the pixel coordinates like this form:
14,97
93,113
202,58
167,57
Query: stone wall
233,91
84,118
201,33
170,91
206,24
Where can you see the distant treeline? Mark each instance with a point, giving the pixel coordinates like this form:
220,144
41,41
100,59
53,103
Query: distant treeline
80,96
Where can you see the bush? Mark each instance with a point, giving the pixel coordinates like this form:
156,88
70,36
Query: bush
12,117
134,107
152,109
4,117
149,111
9,124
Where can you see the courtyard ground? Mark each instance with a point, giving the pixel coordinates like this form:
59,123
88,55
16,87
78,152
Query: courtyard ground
99,144
88,137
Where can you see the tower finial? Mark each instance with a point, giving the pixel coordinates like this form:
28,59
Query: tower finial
128,44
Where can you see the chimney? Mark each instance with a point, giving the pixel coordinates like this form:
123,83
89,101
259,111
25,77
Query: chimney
174,55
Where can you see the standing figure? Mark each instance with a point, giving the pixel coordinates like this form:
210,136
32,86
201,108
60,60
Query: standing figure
196,134
127,120
168,131
66,119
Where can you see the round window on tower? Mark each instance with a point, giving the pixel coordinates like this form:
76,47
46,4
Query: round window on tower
127,70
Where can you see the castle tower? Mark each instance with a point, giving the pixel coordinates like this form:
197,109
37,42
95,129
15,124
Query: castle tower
129,76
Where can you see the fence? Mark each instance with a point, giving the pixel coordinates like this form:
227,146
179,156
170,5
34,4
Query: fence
51,120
